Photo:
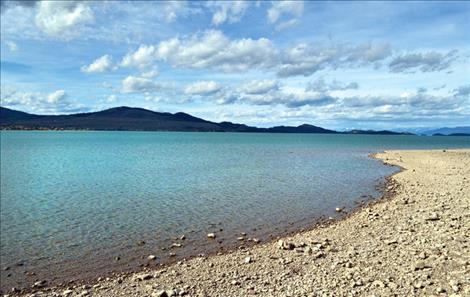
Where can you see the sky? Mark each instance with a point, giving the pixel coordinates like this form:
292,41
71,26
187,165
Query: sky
339,65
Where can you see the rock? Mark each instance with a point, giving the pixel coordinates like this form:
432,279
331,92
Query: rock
419,285
211,235
455,285
171,293
308,250
39,284
161,293
391,241
67,292
182,293
420,264
84,293
235,283
142,276
240,238
152,257
319,255
339,209
433,217
176,245
247,260
285,245
182,237
141,243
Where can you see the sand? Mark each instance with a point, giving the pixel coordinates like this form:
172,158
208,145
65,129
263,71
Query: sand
413,242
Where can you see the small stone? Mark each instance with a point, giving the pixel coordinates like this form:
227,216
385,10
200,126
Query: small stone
285,245
67,292
84,293
141,277
318,255
455,285
389,242
171,293
247,260
339,209
152,257
358,283
176,245
419,285
182,293
235,282
39,284
440,290
211,235
161,293
183,237
421,265
241,238
433,217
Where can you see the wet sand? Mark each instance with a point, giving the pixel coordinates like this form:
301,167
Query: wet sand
414,241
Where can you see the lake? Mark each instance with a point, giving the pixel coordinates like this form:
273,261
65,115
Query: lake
81,204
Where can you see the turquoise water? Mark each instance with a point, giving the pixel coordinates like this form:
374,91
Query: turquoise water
73,201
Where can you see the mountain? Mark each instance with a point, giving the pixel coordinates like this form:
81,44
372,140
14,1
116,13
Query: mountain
447,131
452,134
381,132
138,119
119,118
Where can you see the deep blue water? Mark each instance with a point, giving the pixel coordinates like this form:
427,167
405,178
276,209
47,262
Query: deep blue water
73,201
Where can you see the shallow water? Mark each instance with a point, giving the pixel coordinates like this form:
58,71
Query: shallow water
73,201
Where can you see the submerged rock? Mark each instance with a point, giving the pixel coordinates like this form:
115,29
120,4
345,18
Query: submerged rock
211,235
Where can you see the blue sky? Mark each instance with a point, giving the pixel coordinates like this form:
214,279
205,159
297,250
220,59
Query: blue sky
339,65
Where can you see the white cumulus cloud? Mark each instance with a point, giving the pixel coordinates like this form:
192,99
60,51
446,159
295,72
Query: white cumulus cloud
280,10
56,96
259,86
227,11
213,49
101,64
133,84
141,58
203,88
57,18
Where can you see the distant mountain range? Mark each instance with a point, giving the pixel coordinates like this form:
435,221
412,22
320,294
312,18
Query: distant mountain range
456,131
139,119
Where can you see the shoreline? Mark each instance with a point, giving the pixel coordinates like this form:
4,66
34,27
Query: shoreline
227,244
392,189
227,247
